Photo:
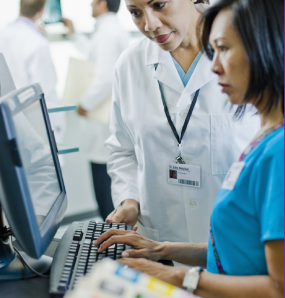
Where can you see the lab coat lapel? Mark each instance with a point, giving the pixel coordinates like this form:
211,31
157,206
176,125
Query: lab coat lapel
200,77
166,72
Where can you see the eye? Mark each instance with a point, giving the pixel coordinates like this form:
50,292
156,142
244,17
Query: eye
135,13
159,5
222,48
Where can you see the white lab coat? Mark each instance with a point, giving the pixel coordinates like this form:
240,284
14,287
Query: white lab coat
26,51
103,49
142,142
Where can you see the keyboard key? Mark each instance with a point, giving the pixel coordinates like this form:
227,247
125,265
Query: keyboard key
87,241
62,287
78,236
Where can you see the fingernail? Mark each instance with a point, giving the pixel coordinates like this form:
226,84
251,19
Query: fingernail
125,255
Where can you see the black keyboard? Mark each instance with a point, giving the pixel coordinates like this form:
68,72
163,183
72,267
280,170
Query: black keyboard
76,254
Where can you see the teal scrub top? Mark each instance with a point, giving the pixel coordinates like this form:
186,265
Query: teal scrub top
185,77
252,213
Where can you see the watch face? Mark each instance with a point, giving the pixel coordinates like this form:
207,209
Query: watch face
191,279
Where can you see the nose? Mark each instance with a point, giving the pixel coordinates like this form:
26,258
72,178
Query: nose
152,23
216,65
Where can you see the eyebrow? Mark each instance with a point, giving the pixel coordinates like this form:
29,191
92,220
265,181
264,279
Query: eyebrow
149,2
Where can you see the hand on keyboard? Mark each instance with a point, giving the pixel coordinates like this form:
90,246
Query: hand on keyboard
76,254
143,247
127,213
169,274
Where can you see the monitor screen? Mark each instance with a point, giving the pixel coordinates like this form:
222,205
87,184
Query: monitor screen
37,159
33,198
52,12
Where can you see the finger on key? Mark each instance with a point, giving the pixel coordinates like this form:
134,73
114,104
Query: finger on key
119,239
109,234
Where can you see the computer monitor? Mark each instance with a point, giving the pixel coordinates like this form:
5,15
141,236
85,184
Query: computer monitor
52,12
32,192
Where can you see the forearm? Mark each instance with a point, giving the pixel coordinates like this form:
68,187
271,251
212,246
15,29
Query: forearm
193,254
223,286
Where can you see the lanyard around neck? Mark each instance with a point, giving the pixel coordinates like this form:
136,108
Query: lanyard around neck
188,117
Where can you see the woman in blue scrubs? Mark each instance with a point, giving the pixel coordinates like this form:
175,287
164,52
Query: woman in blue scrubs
245,253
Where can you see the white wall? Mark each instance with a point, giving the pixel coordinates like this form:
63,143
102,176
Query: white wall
77,10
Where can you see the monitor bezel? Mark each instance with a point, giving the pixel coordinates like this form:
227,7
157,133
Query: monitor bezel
17,203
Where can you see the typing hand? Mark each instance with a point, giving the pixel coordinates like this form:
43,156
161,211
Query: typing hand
127,213
143,247
169,274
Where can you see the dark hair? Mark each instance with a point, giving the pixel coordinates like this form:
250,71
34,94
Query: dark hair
29,8
202,1
113,5
260,26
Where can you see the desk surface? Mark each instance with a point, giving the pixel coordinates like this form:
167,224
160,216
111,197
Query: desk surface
36,287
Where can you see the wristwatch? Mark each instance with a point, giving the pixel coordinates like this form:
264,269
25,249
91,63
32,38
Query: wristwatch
191,279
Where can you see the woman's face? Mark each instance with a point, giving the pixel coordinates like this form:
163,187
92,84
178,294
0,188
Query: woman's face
165,22
230,61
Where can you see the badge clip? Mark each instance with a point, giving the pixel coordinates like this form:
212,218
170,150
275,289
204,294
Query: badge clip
179,158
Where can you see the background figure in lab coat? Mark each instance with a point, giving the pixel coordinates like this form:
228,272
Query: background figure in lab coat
27,53
103,49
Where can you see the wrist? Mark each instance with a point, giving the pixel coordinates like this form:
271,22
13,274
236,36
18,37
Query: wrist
130,202
159,251
178,276
163,250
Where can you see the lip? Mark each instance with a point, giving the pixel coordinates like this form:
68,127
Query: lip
224,86
162,38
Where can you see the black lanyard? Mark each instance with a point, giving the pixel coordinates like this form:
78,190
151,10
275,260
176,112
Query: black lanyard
179,139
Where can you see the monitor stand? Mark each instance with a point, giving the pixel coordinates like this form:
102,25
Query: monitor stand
11,266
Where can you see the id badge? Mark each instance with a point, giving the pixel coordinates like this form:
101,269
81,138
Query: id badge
184,174
233,175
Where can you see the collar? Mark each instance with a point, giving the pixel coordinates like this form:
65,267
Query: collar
28,22
200,77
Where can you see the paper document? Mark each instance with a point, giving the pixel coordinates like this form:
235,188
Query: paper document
79,78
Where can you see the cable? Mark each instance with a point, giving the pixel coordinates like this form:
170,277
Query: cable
6,232
23,260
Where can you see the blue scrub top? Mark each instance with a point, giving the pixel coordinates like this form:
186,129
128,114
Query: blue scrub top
252,213
185,77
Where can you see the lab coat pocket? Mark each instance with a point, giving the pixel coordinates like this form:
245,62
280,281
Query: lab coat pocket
147,232
229,138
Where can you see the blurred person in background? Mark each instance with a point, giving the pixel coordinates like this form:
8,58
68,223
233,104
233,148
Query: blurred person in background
26,50
108,41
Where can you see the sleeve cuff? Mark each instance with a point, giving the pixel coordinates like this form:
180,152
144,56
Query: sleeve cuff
119,201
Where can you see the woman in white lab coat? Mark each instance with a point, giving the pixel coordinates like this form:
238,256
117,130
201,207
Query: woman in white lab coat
143,145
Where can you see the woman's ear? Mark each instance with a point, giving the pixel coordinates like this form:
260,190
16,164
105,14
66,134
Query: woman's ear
104,4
